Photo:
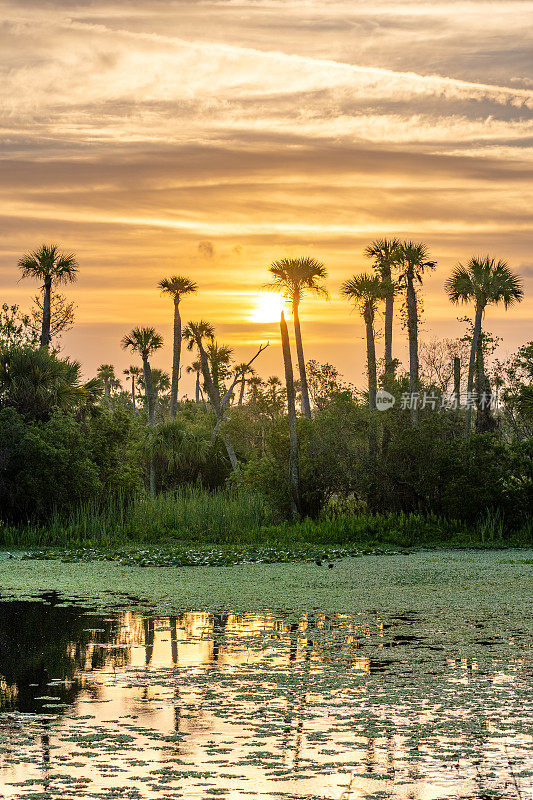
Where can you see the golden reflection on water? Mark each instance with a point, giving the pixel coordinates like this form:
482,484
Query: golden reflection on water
249,705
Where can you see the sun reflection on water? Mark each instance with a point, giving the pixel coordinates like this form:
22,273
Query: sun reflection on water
249,705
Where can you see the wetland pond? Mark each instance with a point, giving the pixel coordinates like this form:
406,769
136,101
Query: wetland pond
385,677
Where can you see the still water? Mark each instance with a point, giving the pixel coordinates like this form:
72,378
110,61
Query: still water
202,705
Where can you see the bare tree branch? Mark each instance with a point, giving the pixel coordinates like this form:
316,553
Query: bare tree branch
239,377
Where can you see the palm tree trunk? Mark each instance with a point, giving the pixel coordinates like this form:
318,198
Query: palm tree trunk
371,364
412,327
484,418
372,386
294,472
176,357
153,487
304,390
209,385
149,389
480,372
457,378
133,394
45,327
471,367
197,388
389,316
241,394
107,389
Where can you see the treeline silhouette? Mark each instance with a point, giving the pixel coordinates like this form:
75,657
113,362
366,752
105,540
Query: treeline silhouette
448,436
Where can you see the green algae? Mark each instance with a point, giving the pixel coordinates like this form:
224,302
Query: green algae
449,636
443,582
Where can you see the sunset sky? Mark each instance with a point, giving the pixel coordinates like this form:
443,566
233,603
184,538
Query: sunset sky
209,139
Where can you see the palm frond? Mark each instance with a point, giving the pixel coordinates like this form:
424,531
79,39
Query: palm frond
144,341
177,285
49,263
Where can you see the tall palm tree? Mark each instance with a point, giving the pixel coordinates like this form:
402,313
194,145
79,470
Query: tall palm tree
106,373
483,281
293,277
413,261
294,469
196,367
384,254
145,341
365,291
133,373
177,286
50,266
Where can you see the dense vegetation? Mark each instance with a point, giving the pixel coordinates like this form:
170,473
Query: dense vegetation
96,463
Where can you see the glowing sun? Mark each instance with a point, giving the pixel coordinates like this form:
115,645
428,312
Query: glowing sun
268,308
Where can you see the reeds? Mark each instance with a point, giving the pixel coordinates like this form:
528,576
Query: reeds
196,517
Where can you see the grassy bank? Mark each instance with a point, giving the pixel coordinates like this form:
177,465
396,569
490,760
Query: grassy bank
193,527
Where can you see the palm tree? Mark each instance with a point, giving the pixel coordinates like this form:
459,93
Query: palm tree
244,370
160,383
194,334
219,357
483,281
293,277
177,286
365,291
145,341
106,373
133,372
294,470
274,385
50,266
196,367
36,383
255,384
384,253
275,396
413,260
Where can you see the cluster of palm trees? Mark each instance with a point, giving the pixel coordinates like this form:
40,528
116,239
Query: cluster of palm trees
398,267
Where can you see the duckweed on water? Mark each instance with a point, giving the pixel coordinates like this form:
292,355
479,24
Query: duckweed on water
383,677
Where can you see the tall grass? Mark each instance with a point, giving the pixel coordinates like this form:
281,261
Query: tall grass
188,514
195,517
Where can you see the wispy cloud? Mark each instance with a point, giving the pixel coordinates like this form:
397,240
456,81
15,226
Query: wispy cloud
221,135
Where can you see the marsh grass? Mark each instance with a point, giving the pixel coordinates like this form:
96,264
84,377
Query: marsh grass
194,518
188,515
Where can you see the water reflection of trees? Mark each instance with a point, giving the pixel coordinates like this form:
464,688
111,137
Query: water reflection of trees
297,655
42,642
